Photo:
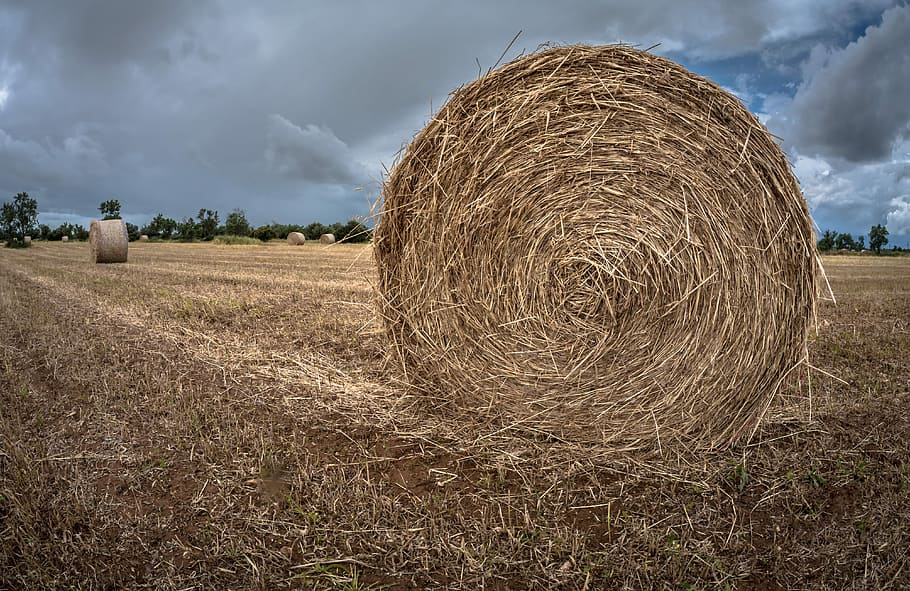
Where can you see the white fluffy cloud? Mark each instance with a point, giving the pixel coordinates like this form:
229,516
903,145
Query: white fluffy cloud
847,127
898,219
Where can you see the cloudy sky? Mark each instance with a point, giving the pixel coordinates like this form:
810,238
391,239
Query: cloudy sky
291,110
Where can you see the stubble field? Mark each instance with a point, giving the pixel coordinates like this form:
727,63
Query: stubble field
222,417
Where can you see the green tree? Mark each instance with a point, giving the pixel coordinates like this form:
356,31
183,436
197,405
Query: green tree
264,233
354,231
844,241
64,229
160,227
314,231
79,232
826,243
207,224
236,224
860,243
19,219
878,237
110,209
132,232
44,231
186,229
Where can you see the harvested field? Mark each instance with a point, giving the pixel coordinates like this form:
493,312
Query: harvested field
220,417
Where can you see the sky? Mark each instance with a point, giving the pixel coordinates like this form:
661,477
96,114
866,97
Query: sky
294,110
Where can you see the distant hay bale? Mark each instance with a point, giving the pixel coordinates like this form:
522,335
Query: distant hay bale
596,243
65,239
327,239
109,241
296,238
143,238
28,239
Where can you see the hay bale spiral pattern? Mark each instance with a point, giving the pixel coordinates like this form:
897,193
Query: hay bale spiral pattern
597,243
327,239
108,241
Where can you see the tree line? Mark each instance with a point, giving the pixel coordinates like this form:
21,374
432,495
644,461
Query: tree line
19,219
833,241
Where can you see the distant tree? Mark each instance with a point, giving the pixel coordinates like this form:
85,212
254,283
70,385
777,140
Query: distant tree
79,232
64,229
354,231
878,237
207,224
19,219
282,230
844,242
826,242
110,209
160,227
314,231
860,243
44,231
7,217
186,229
132,232
264,233
236,224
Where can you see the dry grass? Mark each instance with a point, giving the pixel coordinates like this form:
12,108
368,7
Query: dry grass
108,241
214,417
594,243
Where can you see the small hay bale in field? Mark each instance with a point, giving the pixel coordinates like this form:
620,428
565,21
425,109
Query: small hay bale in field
327,239
65,239
143,238
28,239
109,241
596,243
296,238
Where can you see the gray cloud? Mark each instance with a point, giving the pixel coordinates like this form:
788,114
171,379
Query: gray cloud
854,104
310,153
282,109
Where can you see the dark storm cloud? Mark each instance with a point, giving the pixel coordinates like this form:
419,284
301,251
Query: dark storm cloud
856,104
284,108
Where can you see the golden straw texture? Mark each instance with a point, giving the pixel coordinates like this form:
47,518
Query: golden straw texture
296,238
108,241
596,243
327,239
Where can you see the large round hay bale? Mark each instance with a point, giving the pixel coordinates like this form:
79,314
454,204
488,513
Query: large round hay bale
65,239
27,239
596,243
296,238
143,238
109,241
327,239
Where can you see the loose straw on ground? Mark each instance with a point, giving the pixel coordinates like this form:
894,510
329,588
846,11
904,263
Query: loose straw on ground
596,243
108,241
